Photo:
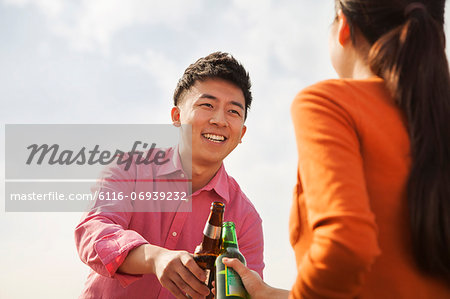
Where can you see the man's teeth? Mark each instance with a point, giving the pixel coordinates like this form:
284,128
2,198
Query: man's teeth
215,138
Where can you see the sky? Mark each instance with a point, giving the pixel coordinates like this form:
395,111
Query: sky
118,62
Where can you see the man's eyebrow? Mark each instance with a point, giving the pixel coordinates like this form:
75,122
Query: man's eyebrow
237,104
208,96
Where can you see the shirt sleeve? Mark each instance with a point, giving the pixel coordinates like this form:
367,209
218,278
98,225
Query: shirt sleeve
251,242
102,238
344,234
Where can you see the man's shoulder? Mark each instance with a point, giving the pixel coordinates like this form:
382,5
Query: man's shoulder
239,199
234,187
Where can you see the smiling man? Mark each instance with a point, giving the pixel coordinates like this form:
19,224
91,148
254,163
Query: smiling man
216,108
149,255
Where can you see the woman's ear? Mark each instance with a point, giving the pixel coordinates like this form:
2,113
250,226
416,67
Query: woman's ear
343,30
176,116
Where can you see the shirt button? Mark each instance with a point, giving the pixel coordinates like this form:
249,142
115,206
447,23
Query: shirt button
182,175
174,234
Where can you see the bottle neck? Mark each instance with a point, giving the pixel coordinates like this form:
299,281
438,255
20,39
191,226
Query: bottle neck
213,227
229,245
213,230
229,239
211,241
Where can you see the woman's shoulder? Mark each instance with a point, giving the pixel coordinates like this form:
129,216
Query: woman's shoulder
326,84
323,93
345,93
337,87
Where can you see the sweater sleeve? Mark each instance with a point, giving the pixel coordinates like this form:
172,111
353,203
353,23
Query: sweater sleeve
344,234
102,237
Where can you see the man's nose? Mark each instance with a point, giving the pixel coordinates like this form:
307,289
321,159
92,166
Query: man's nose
218,118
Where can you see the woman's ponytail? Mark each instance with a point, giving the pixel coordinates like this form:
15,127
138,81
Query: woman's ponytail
408,51
411,58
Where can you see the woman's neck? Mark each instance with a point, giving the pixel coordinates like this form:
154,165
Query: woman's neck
361,70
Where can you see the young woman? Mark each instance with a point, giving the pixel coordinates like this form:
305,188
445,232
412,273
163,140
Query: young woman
371,213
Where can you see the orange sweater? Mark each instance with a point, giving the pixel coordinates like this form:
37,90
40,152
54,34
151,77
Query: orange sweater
349,221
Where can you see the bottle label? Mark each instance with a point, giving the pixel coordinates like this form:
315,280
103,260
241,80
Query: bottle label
212,232
233,284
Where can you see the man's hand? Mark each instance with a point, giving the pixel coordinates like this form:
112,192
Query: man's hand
176,270
179,273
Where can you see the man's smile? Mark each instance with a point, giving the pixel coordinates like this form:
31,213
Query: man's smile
214,137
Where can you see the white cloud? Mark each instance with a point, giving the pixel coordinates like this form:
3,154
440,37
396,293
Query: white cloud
163,69
50,8
92,24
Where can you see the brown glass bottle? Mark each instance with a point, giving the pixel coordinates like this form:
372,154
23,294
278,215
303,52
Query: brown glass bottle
206,253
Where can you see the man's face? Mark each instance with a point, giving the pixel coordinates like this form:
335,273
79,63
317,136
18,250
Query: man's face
215,109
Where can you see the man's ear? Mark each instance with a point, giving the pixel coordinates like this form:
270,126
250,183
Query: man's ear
344,29
175,113
244,129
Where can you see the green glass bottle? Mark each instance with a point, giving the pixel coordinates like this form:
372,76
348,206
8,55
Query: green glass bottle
228,282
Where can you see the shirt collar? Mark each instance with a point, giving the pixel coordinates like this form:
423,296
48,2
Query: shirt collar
173,165
219,183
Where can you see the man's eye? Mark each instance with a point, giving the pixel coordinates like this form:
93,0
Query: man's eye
235,112
207,105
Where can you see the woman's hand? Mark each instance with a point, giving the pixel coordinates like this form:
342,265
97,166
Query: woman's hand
255,286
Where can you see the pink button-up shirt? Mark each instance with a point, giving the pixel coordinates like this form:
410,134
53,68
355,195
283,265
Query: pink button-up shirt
104,238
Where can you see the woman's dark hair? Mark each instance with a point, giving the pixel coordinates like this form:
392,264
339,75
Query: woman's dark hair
408,51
